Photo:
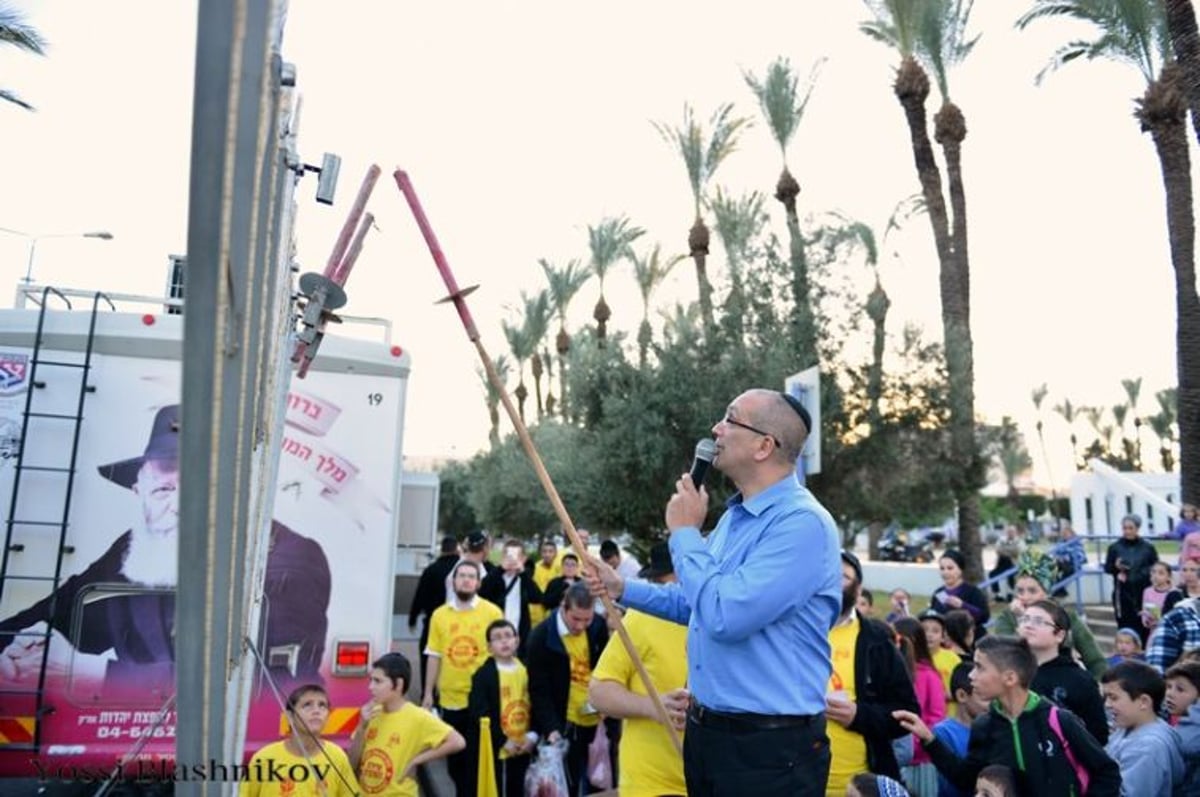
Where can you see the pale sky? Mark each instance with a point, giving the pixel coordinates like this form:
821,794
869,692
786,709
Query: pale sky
522,123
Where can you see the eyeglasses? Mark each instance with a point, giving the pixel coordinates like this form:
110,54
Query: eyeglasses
731,422
1036,622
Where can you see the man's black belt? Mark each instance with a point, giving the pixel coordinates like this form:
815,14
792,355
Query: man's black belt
741,722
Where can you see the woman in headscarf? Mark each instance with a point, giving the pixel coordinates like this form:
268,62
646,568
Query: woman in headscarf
958,594
1036,574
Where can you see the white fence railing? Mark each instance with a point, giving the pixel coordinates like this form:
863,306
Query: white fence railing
1100,499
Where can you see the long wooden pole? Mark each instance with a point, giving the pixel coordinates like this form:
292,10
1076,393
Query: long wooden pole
464,313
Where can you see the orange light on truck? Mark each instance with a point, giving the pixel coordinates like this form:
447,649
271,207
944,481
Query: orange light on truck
352,658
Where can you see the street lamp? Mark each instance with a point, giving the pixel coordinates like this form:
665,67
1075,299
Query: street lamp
103,235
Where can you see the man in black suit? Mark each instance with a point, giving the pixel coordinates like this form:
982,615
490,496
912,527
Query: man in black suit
512,589
431,593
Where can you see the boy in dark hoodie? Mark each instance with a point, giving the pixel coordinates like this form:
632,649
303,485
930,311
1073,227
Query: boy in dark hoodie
1045,625
1018,732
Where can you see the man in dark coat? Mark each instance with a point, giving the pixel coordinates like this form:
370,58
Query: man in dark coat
431,593
119,613
557,679
512,589
881,685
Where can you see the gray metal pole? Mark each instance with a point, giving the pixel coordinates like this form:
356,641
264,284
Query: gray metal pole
236,81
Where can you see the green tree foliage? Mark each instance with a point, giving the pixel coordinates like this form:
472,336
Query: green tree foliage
455,514
635,419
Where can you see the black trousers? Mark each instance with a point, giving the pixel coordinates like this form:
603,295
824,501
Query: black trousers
577,758
510,775
779,762
463,765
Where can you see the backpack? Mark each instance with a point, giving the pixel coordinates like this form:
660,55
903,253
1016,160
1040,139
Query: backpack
1081,773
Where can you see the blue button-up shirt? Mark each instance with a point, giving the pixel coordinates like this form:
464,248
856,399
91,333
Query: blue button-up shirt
759,596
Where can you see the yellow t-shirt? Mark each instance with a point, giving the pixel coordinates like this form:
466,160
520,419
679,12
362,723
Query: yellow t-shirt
275,772
650,765
581,675
945,661
392,740
514,703
459,639
848,749
542,576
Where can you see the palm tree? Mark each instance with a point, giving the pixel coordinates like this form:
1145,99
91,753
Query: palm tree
930,34
564,283
503,369
1038,395
1068,411
608,242
1133,390
536,322
650,271
16,31
738,220
701,157
1135,32
783,103
522,348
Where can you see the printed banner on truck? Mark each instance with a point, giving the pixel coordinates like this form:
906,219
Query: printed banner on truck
105,636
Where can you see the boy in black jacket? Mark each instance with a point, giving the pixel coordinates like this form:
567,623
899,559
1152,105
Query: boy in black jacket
1017,731
500,692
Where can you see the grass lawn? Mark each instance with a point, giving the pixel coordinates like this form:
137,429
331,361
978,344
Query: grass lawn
883,604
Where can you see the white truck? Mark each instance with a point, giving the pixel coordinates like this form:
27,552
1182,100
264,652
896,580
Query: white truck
88,429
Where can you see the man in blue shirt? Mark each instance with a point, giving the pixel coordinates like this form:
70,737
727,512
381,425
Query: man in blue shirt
759,595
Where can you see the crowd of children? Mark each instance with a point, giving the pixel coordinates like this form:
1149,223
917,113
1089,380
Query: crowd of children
1033,708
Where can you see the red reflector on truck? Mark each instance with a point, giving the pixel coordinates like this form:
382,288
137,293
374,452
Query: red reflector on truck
352,658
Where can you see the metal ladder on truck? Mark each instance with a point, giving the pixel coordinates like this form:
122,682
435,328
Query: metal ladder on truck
21,730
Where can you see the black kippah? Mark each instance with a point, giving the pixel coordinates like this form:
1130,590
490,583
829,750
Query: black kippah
795,404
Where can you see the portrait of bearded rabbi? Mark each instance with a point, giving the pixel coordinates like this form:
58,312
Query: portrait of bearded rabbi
126,597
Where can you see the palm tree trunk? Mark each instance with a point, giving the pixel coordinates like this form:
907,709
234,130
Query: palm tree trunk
562,344
877,310
950,129
912,89
1162,112
804,332
1185,41
537,384
698,238
494,415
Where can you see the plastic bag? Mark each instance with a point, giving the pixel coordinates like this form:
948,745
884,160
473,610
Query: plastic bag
547,777
599,765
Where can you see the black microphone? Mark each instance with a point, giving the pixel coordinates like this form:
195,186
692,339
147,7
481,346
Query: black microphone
706,449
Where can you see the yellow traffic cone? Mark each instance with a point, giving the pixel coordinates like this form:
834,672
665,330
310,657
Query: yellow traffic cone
486,785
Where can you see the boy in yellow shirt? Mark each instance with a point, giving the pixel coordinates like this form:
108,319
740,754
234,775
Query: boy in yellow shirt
500,691
394,736
303,764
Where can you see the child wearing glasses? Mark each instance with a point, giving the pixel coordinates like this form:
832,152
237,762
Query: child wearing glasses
1044,625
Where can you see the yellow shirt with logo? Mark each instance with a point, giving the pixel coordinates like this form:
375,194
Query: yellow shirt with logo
458,638
393,739
848,749
275,772
514,702
650,765
581,676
